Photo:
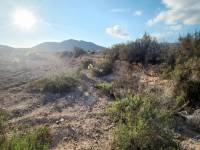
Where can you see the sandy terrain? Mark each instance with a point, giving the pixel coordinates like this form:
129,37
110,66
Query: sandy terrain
76,120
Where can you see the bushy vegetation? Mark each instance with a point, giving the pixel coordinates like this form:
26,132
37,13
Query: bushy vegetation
184,68
140,125
55,84
77,52
65,54
180,62
31,140
101,68
145,50
3,121
106,87
190,44
37,139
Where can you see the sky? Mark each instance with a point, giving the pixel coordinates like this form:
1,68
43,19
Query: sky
25,23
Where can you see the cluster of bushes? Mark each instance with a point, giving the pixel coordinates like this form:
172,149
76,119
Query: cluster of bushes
140,125
190,44
77,52
182,61
184,68
145,50
38,139
56,84
3,119
101,68
106,87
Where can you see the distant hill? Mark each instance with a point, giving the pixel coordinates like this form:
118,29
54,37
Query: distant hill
67,45
51,47
2,47
4,50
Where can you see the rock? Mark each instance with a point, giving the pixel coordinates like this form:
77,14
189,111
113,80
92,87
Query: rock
86,94
193,120
62,119
57,122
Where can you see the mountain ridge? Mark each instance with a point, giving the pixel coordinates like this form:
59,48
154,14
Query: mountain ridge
66,45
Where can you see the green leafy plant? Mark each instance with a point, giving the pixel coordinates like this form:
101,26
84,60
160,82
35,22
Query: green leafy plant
180,100
38,139
3,122
139,125
77,52
106,87
56,84
102,68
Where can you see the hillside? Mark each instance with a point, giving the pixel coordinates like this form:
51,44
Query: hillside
51,47
67,45
4,50
143,89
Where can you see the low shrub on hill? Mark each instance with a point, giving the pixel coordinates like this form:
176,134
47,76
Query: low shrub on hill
145,50
56,84
78,52
140,125
3,121
101,68
38,139
106,87
183,66
186,76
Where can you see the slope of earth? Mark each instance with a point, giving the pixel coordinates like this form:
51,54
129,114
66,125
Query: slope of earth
77,120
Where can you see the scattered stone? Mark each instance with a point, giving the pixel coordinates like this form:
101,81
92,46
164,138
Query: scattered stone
62,119
86,93
193,120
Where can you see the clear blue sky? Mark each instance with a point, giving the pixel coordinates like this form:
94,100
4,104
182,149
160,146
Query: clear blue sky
104,22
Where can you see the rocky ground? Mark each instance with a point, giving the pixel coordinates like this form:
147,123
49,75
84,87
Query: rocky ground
77,120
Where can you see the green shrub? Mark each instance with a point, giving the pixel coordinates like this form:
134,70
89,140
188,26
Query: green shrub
32,140
190,44
144,50
187,91
192,91
106,87
180,100
3,121
56,84
112,53
103,67
38,139
65,54
186,77
78,52
140,125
